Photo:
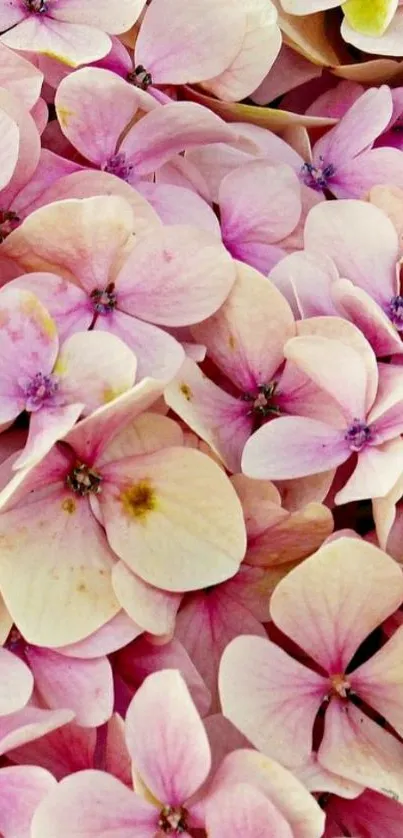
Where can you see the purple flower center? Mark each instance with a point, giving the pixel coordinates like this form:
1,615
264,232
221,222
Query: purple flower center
117,165
39,389
394,311
358,435
105,300
84,480
317,177
38,7
140,77
173,820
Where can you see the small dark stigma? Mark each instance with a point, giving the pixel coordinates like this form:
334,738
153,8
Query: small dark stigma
39,7
84,481
140,77
104,300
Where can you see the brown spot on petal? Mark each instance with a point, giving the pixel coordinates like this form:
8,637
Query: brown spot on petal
69,506
231,342
139,500
81,588
186,391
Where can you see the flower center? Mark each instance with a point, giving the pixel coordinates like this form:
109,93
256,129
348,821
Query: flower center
263,402
394,311
105,300
38,7
317,177
173,820
140,77
358,435
117,165
340,685
84,480
38,390
8,222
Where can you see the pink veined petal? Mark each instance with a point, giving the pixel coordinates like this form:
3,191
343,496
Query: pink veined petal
377,470
176,204
70,43
281,787
200,41
62,751
368,316
144,657
79,239
16,683
17,74
55,572
149,431
237,337
387,409
29,147
271,698
66,304
173,518
192,276
259,202
367,812
158,354
260,47
206,624
362,242
219,418
11,14
355,747
84,686
168,130
113,635
28,346
379,681
9,148
152,608
29,724
242,811
22,788
94,368
306,279
98,13
357,129
336,368
93,803
90,183
46,426
93,107
172,755
292,446
319,606
377,166
89,439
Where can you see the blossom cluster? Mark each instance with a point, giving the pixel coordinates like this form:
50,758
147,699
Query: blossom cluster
201,419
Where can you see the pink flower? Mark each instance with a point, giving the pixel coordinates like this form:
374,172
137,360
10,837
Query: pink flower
113,290
171,759
106,493
274,700
349,267
369,396
64,29
55,386
250,356
22,788
148,143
